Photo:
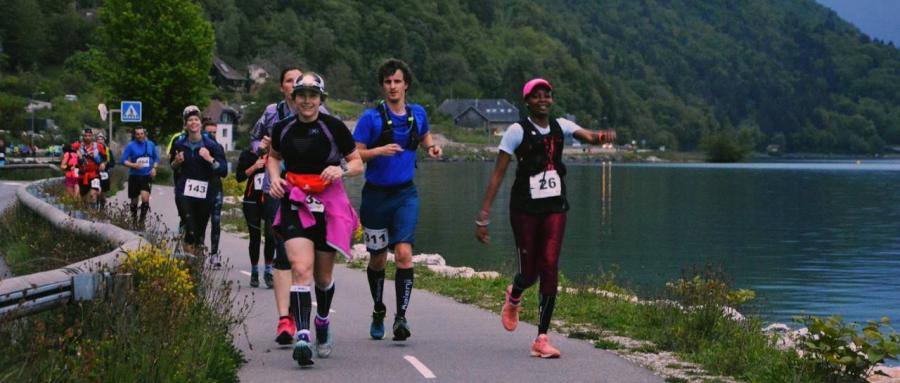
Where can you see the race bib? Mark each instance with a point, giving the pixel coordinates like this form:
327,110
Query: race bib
195,188
104,176
75,172
258,181
143,162
376,239
545,185
95,183
314,205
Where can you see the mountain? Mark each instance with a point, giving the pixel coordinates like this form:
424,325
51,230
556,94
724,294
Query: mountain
668,72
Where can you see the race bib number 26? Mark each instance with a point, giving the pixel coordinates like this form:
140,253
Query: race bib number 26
545,185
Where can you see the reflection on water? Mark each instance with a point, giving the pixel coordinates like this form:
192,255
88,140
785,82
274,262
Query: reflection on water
814,237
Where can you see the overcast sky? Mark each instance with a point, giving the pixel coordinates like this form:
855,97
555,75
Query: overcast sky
876,18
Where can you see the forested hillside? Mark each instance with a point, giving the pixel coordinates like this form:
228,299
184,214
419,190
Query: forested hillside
669,72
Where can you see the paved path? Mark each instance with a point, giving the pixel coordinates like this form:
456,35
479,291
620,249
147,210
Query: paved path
451,342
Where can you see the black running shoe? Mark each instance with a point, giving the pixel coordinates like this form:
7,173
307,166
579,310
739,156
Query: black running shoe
401,328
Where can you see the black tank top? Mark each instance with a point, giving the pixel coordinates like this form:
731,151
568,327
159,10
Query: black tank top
536,154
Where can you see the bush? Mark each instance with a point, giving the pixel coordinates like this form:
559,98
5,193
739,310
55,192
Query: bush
845,353
158,276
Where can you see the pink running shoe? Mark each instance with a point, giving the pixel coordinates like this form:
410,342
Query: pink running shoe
286,331
542,348
509,315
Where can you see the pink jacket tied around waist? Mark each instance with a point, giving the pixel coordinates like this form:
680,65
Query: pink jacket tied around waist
340,218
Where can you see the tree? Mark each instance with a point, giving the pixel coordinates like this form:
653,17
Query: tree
158,52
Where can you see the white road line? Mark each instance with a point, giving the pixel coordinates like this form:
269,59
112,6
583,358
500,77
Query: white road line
419,366
247,273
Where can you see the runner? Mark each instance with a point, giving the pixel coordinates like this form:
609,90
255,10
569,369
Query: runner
261,137
252,168
198,160
387,137
215,232
315,218
142,160
69,163
91,158
537,208
104,174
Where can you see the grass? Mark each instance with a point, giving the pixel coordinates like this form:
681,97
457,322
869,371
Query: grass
346,110
27,174
703,336
174,323
29,247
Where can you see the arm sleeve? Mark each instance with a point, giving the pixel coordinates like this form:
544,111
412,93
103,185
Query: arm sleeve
362,132
568,127
343,139
219,155
424,127
512,138
244,162
126,154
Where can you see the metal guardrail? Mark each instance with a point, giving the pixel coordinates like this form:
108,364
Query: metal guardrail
36,292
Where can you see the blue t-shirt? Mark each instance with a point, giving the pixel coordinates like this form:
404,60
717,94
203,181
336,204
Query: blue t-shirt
399,168
136,150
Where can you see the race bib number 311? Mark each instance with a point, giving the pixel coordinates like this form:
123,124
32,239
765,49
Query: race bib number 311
376,239
195,188
545,185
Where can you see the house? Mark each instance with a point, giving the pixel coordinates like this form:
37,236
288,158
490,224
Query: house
492,114
224,76
227,119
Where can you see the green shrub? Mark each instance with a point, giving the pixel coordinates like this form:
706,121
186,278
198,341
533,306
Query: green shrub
845,352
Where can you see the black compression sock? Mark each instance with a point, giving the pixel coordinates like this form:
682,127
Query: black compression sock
403,284
300,295
376,286
323,300
144,209
519,285
545,312
134,209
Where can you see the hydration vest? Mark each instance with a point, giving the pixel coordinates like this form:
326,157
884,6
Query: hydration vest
387,128
538,153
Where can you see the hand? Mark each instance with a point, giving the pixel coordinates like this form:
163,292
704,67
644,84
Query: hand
277,187
103,166
179,157
435,151
332,173
78,154
389,150
606,136
204,152
260,163
153,173
265,142
481,232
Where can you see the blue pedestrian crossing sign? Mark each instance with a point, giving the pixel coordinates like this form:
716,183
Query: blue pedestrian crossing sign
131,111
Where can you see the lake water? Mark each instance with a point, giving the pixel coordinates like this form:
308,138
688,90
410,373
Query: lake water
815,238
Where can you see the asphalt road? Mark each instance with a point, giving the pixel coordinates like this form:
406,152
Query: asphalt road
450,342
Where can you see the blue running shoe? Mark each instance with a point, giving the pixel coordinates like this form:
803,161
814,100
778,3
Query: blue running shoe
302,352
324,341
376,330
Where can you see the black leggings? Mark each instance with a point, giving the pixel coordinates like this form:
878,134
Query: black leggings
195,215
253,213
